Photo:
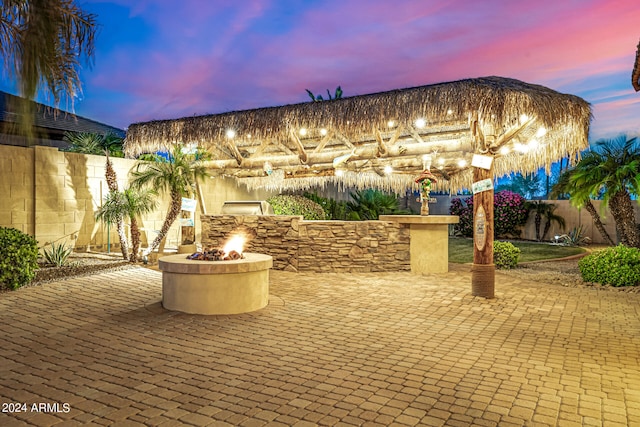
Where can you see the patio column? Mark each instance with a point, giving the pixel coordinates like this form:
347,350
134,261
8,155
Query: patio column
483,269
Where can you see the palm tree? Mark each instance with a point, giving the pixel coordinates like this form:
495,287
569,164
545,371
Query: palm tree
129,203
113,211
137,202
564,186
552,217
546,211
176,175
612,169
42,42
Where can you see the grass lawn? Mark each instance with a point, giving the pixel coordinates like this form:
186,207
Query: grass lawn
461,250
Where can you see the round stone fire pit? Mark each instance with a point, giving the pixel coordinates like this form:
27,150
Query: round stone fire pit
215,287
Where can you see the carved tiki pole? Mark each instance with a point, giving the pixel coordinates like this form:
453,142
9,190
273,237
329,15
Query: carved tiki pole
483,269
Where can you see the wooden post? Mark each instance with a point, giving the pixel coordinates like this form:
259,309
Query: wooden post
483,269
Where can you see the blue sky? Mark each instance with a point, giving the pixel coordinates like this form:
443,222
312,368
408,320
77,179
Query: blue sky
164,59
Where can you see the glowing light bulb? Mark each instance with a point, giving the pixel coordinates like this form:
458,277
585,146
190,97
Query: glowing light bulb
303,131
323,131
339,172
504,150
420,123
231,133
533,144
542,131
391,124
462,163
388,170
449,112
441,161
523,118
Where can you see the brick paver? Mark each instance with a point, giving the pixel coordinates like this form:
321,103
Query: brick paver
347,349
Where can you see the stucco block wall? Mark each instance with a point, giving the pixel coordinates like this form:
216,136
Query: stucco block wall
53,195
574,217
320,246
17,189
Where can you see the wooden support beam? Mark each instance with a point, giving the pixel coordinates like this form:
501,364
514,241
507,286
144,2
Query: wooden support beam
302,154
323,142
510,134
382,148
235,153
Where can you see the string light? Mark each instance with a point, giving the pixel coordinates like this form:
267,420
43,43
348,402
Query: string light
542,131
462,163
420,123
388,170
231,133
303,131
323,131
391,124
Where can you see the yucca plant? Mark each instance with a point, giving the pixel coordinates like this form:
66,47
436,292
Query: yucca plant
57,254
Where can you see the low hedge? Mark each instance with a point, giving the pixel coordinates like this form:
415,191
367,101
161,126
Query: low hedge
615,266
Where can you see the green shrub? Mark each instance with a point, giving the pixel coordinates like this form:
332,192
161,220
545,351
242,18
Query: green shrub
616,266
18,258
296,205
333,209
58,254
505,255
370,204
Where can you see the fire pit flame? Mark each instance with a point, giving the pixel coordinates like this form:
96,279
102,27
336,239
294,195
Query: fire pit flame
235,244
232,250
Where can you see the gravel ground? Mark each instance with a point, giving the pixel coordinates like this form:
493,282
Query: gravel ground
81,264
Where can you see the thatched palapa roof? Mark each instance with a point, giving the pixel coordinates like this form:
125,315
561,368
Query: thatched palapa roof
384,140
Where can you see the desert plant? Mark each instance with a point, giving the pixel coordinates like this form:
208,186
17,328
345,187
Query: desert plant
18,258
284,204
615,266
575,237
57,254
505,255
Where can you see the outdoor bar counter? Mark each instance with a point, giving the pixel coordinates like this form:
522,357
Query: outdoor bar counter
428,240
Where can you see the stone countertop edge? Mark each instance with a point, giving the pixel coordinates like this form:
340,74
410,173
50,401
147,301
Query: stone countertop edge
420,219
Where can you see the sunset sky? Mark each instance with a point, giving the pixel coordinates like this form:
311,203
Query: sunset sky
164,59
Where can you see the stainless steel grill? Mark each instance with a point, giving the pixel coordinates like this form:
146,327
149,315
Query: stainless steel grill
247,207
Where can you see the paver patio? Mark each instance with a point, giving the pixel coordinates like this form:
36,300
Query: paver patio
330,349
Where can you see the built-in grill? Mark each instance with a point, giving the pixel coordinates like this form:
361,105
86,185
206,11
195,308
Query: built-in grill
247,207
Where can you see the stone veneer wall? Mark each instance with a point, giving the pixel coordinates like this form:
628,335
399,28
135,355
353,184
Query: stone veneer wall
319,246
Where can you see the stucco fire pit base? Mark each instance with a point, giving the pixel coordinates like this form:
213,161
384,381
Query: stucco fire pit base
215,287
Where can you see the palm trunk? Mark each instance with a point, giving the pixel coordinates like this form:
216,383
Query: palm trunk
537,220
174,210
598,222
624,215
547,226
112,184
122,234
135,239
